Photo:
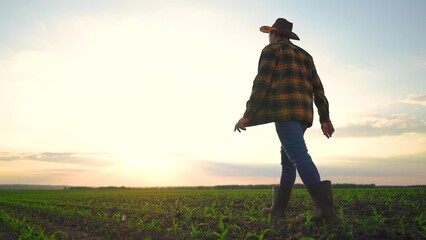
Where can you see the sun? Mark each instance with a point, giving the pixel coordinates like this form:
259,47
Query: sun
150,166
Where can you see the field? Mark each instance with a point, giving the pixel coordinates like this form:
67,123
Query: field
366,213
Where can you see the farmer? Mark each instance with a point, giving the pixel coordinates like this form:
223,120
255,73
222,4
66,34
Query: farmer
283,92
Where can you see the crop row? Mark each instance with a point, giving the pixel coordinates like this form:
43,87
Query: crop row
379,213
27,230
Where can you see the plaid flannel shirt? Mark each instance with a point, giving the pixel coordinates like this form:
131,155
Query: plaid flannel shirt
285,87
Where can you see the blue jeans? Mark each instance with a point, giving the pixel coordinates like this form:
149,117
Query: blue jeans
294,155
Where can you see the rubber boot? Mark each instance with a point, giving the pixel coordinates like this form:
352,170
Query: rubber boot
322,197
280,201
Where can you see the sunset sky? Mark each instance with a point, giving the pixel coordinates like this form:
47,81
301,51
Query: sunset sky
147,93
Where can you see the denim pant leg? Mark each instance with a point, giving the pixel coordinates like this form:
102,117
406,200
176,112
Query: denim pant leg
292,141
288,173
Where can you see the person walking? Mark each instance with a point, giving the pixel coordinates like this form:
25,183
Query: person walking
283,92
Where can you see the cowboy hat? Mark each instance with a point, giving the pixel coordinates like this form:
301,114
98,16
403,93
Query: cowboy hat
283,27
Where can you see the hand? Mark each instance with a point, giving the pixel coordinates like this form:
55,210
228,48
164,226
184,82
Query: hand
241,124
328,129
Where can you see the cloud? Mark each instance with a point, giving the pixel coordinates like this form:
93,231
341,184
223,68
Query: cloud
383,170
85,159
375,126
416,100
236,169
410,165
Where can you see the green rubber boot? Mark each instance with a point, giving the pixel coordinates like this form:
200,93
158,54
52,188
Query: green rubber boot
322,197
280,201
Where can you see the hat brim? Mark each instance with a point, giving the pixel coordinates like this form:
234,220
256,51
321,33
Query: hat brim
268,29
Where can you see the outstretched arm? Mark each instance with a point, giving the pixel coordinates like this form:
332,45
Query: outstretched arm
261,84
262,81
327,129
241,124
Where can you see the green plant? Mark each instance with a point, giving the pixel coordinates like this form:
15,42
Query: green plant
223,231
377,216
174,229
421,221
196,231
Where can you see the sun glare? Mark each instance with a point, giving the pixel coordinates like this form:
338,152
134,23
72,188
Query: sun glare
149,166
